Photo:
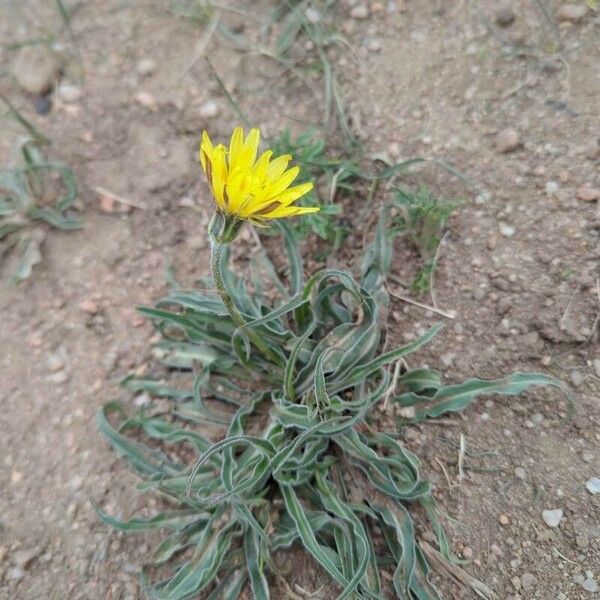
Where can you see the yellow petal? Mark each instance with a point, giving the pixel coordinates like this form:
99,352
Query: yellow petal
281,212
206,149
278,166
286,211
283,182
235,147
219,176
292,194
248,153
284,199
262,165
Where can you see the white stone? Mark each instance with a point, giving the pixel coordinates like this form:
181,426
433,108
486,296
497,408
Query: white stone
553,517
506,230
593,485
146,67
209,110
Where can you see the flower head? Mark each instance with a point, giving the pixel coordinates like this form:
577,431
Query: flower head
250,189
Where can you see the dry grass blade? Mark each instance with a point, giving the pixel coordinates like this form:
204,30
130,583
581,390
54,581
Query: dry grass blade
202,44
455,573
33,131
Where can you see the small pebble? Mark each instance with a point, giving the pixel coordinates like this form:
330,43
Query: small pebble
312,15
36,68
209,110
407,412
447,359
15,574
146,67
552,517
596,365
520,473
504,520
590,585
527,581
587,193
593,485
507,140
145,99
23,558
467,553
572,12
537,418
551,188
142,399
55,362
70,93
360,12
42,105
505,16
375,45
506,230
59,377
479,293
89,306
577,378
75,483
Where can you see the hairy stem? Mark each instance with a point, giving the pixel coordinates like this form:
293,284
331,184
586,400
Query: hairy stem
216,259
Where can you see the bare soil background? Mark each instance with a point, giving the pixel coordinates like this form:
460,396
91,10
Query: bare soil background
520,265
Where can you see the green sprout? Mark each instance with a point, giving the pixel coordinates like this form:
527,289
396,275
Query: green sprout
421,217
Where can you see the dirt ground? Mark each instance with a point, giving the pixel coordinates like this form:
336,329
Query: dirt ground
519,267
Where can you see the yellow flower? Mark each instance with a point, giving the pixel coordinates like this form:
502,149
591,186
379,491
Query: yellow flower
246,188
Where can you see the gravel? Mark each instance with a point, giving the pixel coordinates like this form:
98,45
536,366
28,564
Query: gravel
587,193
70,93
593,485
24,558
551,188
505,16
527,581
571,12
146,67
36,68
55,362
520,473
552,517
590,585
507,140
506,230
42,104
577,378
209,110
360,12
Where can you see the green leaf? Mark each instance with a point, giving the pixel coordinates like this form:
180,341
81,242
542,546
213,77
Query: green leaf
456,397
255,562
142,458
